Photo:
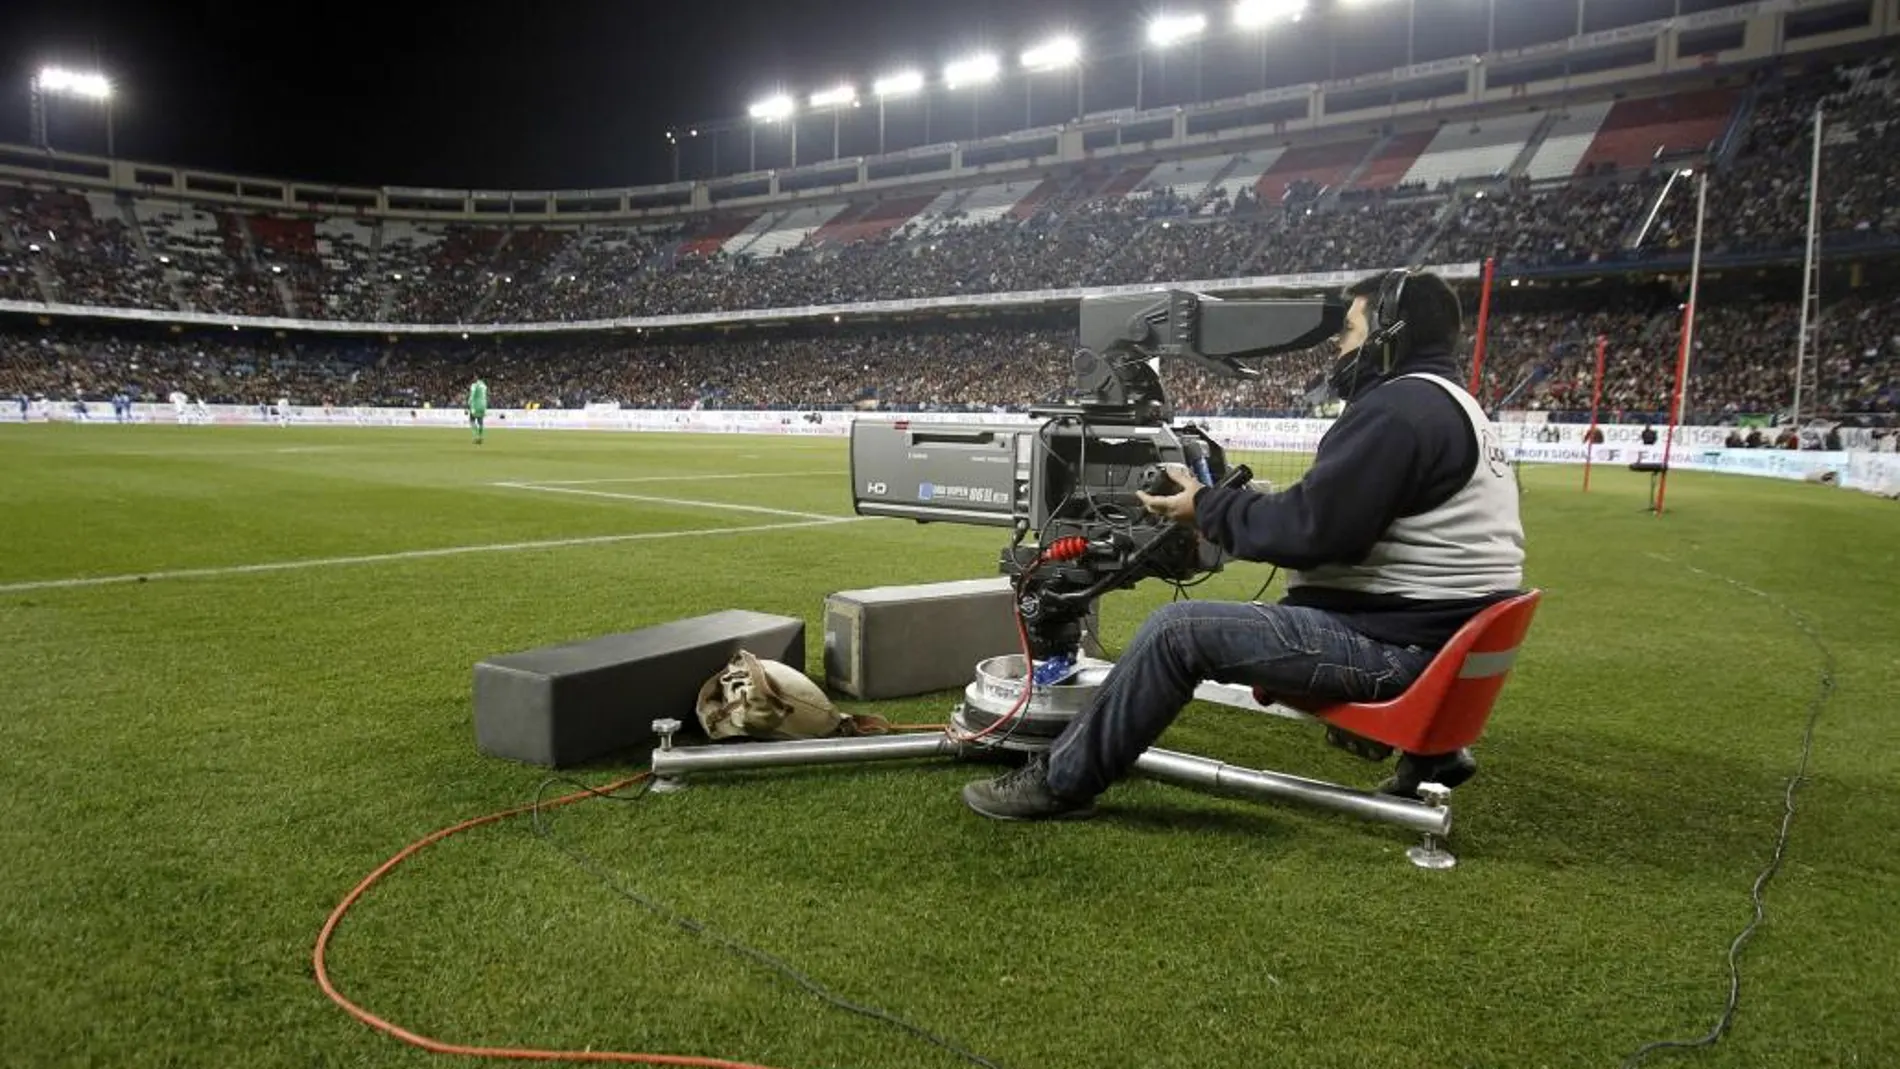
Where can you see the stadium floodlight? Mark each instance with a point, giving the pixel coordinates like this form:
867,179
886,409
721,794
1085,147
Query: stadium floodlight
1259,14
901,84
1165,30
893,85
87,85
772,109
839,97
1055,53
975,70
53,82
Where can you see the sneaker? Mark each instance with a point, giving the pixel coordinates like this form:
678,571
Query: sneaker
1451,770
1024,794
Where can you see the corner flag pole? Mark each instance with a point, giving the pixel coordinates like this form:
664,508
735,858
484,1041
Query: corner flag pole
1688,333
1596,401
1484,324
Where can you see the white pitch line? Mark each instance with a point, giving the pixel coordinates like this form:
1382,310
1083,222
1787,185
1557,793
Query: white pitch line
679,478
676,502
413,554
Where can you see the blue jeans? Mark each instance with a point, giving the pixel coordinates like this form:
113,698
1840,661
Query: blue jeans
1290,652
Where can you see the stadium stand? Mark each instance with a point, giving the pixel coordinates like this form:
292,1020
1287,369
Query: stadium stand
1598,189
1588,222
1485,149
1236,187
1123,183
1186,179
1538,359
1033,201
205,257
1637,132
1303,170
346,254
405,252
789,230
288,249
1560,154
439,275
17,281
720,232
871,221
1393,160
1764,206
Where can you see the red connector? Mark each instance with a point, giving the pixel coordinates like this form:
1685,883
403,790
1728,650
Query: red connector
1065,549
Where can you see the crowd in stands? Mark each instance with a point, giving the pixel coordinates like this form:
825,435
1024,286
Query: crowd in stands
95,262
1536,359
466,274
1584,222
1762,201
95,249
98,249
1741,360
16,277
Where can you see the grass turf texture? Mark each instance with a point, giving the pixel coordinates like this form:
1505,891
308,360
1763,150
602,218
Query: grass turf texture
194,770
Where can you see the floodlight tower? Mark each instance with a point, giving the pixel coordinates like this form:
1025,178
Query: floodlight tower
892,86
52,82
1057,53
837,99
1411,21
771,109
1164,32
973,73
1259,16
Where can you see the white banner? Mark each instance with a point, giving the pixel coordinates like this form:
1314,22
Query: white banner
1695,448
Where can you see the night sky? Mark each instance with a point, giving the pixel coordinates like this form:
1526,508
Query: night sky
579,93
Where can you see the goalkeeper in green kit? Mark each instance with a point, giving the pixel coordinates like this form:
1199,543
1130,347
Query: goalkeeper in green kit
477,407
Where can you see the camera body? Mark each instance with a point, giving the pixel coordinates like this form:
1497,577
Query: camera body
1070,479
1071,476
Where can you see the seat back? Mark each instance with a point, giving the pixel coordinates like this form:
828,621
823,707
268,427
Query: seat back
1447,706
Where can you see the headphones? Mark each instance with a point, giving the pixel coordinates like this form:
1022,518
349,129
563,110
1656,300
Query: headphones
1385,325
1385,345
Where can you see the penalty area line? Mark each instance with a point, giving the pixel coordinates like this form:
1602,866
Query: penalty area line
682,478
414,554
672,502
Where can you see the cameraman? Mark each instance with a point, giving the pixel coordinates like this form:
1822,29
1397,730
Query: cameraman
1403,529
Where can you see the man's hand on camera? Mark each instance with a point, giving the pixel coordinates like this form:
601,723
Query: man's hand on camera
1178,506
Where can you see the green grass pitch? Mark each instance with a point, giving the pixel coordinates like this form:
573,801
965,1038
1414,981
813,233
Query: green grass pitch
195,768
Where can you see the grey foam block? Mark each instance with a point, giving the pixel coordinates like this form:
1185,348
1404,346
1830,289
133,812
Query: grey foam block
901,641
563,705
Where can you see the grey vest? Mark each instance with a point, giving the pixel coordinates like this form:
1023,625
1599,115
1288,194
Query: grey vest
1470,546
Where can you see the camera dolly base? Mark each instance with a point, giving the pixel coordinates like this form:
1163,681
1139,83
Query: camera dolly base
974,734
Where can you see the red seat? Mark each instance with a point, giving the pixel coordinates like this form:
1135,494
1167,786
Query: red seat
1446,707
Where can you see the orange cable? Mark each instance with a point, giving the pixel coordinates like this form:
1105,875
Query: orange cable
437,1046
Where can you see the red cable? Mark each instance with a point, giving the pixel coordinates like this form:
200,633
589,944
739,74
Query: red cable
437,1046
1073,547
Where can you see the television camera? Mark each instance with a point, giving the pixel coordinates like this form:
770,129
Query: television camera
1069,476
1071,479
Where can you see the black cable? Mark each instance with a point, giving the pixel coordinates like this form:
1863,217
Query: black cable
1262,592
724,942
1822,693
1082,465
1029,658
